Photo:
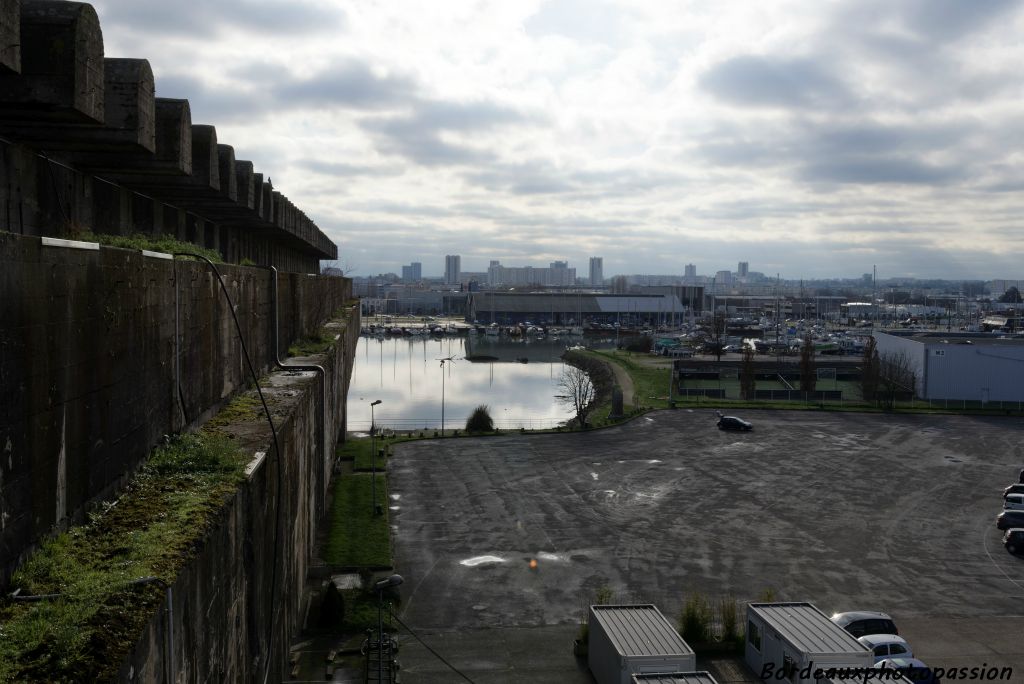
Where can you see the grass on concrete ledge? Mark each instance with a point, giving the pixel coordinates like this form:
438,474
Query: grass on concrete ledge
317,343
152,243
357,537
84,633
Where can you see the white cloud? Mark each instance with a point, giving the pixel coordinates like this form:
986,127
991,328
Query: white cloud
819,138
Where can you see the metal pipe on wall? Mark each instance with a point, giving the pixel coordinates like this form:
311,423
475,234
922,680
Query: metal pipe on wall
299,367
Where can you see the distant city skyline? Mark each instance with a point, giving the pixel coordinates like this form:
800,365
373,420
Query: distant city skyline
819,139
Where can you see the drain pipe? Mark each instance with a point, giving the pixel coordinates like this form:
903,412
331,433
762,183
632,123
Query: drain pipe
299,367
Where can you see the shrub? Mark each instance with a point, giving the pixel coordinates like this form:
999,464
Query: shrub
480,420
695,623
727,607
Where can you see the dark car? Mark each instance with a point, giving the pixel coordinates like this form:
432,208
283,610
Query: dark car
1013,540
733,423
1013,489
1009,518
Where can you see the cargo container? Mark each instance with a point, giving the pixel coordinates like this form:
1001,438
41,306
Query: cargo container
800,641
634,639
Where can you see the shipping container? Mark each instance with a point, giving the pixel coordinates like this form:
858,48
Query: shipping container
799,641
634,639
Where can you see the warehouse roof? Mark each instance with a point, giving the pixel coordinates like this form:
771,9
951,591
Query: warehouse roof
807,628
955,338
576,303
639,630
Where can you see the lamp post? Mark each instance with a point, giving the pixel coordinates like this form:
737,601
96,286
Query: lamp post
447,359
380,586
373,455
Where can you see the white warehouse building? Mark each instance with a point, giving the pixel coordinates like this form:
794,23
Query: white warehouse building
958,366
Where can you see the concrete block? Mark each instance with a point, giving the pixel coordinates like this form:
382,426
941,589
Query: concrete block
130,102
61,75
245,187
227,173
10,35
173,135
205,163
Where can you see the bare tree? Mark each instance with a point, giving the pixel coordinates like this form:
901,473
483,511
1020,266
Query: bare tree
808,372
896,377
748,380
578,392
715,328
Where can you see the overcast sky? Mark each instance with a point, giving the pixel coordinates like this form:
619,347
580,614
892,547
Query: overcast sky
809,138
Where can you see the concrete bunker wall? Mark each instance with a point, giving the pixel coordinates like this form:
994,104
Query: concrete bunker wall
87,363
214,623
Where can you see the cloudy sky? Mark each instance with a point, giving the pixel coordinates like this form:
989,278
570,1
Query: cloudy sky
809,138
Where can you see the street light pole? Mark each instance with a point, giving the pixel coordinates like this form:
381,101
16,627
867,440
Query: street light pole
447,359
373,455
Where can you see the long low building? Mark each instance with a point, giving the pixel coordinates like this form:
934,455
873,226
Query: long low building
952,366
574,308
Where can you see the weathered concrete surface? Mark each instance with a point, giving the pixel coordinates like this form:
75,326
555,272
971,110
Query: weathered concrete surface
231,613
87,366
849,511
61,75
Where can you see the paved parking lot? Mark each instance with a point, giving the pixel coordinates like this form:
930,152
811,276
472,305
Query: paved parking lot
848,511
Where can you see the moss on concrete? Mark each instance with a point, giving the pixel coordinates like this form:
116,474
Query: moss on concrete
90,624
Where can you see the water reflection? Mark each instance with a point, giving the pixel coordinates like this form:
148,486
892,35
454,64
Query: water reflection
518,380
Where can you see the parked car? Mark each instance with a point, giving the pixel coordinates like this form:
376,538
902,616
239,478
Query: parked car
1013,540
862,622
1008,519
911,668
886,646
1013,502
1014,489
733,423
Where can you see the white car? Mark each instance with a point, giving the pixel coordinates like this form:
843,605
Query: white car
887,646
1014,502
861,622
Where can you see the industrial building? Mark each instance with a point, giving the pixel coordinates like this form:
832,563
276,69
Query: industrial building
958,366
574,308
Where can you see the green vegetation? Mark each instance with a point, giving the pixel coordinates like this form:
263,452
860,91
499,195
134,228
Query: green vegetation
480,420
245,408
317,343
153,243
360,452
650,382
83,633
358,537
695,621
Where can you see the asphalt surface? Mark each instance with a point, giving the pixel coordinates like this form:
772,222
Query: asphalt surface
848,511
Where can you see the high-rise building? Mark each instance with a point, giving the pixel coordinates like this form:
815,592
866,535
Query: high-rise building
690,271
596,272
452,269
743,269
413,273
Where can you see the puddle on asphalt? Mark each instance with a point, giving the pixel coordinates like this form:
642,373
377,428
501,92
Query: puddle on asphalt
551,557
480,560
396,497
596,463
593,475
347,581
394,508
654,461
